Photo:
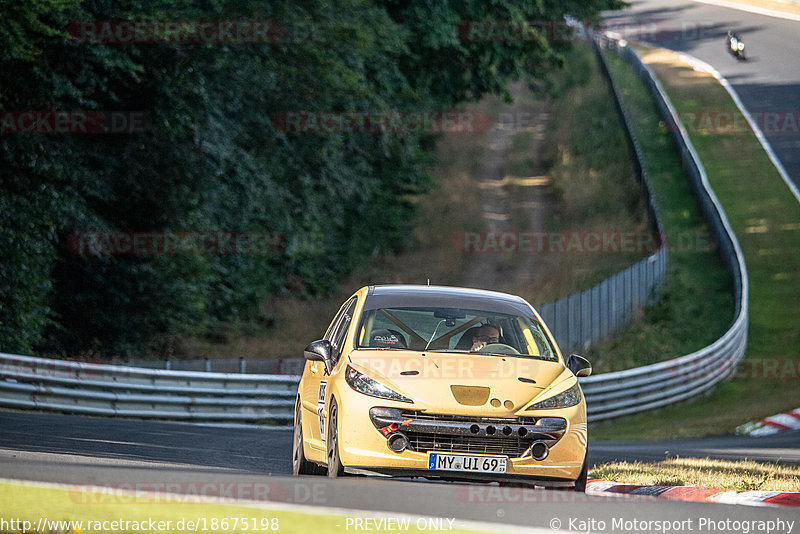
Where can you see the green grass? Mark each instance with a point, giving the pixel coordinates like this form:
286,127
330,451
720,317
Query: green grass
696,305
740,475
762,211
764,216
96,510
588,157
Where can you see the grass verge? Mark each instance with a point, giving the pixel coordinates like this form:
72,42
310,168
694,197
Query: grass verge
696,305
740,476
78,511
764,216
594,180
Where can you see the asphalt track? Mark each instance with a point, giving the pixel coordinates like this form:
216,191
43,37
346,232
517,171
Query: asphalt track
768,82
253,462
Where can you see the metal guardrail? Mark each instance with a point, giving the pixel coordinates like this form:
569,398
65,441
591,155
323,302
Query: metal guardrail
581,320
113,390
645,388
271,366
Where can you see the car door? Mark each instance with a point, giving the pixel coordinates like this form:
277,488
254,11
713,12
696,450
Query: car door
317,379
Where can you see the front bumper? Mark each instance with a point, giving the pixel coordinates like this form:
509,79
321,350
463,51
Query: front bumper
363,441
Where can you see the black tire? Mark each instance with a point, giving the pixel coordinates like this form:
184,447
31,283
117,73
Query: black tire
580,483
301,465
335,467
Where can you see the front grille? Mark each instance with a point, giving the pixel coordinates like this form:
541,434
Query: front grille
511,446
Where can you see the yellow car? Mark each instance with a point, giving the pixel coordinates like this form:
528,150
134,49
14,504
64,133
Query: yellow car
445,383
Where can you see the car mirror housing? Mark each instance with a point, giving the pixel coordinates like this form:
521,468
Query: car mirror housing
579,365
320,351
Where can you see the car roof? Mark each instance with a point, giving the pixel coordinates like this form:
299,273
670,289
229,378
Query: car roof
400,295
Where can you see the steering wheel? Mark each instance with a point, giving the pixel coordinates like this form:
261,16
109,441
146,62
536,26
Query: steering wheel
499,348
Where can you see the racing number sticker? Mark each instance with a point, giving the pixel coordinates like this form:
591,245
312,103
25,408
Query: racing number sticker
321,408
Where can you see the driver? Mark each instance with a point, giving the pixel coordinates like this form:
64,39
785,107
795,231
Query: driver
485,335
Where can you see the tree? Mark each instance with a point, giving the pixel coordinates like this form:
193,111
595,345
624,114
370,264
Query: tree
214,155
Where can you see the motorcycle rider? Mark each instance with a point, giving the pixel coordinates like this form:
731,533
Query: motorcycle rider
735,45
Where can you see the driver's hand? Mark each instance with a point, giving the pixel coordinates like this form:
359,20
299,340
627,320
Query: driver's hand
478,345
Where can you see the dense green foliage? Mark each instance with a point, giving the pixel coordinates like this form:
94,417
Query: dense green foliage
211,158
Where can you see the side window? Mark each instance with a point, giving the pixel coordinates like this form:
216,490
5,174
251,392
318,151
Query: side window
337,332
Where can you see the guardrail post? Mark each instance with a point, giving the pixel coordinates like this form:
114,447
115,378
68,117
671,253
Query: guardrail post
242,365
208,365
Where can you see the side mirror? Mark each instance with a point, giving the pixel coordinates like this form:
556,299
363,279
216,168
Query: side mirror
320,351
579,365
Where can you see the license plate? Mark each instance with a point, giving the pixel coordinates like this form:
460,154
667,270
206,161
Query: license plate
466,462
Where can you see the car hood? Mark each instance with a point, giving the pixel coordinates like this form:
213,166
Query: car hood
458,383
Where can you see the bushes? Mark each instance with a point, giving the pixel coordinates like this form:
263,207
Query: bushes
211,158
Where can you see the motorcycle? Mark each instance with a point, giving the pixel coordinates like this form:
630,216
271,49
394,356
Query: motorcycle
735,46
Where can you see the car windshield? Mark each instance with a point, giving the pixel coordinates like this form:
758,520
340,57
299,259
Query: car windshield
454,330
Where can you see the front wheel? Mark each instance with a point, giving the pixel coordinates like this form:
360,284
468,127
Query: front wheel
580,483
300,464
335,467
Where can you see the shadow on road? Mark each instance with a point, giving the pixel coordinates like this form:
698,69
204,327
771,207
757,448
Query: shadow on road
251,449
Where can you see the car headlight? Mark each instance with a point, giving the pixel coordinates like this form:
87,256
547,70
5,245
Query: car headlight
368,386
565,399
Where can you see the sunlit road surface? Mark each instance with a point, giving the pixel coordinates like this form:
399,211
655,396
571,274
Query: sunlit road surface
768,82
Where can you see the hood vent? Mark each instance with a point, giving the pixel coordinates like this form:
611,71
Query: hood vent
470,395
